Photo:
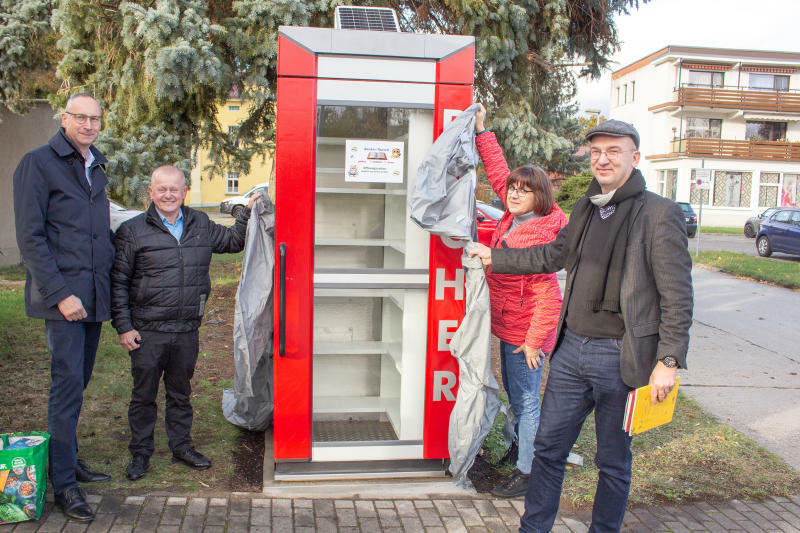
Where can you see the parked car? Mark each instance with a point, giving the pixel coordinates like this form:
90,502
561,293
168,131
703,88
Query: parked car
497,203
488,218
754,223
691,218
120,214
235,204
780,232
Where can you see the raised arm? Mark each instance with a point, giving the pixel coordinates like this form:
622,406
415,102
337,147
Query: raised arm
492,156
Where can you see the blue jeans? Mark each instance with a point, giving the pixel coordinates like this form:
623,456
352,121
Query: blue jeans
73,346
522,385
584,375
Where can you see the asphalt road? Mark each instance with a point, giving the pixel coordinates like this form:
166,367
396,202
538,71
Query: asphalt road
744,364
733,243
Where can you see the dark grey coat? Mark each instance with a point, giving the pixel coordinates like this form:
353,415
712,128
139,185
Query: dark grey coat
656,294
63,230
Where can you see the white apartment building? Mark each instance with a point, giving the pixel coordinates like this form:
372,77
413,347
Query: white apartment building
735,112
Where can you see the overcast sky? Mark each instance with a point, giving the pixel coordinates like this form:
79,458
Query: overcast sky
746,24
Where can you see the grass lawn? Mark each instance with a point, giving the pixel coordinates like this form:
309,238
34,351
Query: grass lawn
103,428
781,273
693,458
722,230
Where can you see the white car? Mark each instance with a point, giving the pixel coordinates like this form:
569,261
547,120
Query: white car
120,214
234,205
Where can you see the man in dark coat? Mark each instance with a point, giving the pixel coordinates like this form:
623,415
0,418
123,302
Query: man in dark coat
62,224
624,322
159,288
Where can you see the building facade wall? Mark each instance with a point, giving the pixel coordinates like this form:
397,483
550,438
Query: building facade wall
740,187
209,192
20,134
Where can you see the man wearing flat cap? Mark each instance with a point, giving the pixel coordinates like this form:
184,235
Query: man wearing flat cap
624,321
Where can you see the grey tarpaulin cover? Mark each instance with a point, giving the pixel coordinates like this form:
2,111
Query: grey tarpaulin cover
442,201
477,403
443,198
249,404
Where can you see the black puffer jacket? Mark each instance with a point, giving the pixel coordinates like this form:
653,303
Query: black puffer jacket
158,284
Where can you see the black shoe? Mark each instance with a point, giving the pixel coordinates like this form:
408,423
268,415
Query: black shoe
73,503
515,486
137,467
511,455
191,458
84,475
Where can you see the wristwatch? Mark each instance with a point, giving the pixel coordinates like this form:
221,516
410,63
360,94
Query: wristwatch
670,362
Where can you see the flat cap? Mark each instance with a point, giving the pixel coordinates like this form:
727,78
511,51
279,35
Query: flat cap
614,128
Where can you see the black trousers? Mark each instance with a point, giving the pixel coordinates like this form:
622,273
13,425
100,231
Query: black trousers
174,356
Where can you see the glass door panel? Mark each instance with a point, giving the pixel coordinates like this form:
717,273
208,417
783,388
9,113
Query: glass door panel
370,278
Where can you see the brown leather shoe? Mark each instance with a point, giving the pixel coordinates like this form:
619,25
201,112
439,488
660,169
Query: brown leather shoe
73,504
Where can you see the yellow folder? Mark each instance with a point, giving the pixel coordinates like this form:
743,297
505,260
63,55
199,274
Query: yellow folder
641,415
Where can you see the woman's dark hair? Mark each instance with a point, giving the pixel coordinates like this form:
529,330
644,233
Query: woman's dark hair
534,178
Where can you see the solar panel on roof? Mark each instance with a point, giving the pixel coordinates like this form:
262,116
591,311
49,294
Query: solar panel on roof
366,18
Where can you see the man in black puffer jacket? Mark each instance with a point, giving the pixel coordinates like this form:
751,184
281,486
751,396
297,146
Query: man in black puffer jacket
159,288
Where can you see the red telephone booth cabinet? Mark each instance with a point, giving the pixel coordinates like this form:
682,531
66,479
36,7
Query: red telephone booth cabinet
366,301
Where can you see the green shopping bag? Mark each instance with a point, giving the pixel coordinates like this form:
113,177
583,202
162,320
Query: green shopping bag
23,475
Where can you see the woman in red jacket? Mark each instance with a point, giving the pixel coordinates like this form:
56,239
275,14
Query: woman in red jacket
525,308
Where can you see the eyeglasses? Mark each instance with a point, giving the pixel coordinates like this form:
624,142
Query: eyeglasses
80,118
612,154
522,193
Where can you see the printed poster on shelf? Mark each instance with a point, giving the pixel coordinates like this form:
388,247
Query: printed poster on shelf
373,161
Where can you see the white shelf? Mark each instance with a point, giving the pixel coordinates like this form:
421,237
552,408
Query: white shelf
394,244
330,170
331,141
395,296
392,349
372,278
350,348
359,190
354,404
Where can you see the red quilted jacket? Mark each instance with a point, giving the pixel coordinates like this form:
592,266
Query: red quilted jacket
525,309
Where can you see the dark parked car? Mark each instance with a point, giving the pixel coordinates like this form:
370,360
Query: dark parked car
488,218
753,223
780,232
691,218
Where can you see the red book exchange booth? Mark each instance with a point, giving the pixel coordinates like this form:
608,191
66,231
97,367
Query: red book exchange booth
365,301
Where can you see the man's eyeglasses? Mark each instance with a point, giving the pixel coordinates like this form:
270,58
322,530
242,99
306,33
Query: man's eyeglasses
80,118
522,193
612,154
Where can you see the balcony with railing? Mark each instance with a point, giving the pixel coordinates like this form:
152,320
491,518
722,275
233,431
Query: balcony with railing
745,99
732,149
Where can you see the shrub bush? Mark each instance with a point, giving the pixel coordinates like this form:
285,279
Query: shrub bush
572,189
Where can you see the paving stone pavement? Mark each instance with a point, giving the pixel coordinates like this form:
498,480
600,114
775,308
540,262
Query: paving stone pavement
254,513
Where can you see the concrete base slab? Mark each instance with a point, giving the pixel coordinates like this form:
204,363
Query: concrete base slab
368,490
364,489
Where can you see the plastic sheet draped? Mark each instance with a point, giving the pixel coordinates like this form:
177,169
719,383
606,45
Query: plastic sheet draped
477,403
250,403
442,200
